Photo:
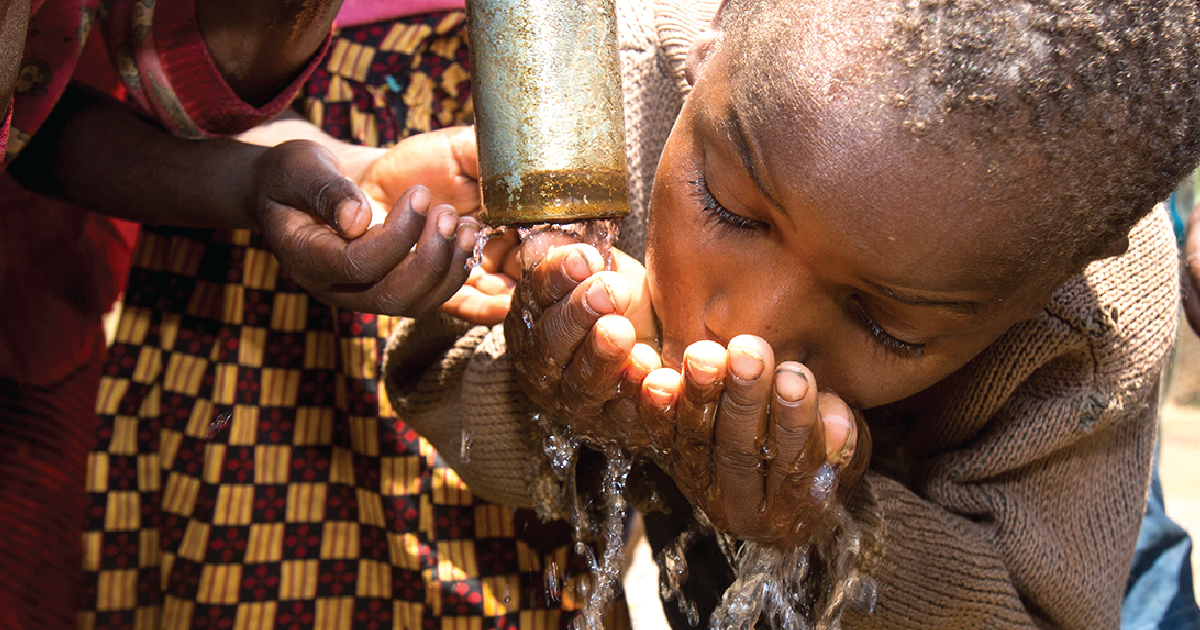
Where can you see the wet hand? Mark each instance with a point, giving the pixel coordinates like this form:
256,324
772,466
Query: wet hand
572,334
316,222
754,444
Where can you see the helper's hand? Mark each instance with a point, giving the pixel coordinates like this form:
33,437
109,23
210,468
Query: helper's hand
572,335
484,299
752,443
316,222
444,161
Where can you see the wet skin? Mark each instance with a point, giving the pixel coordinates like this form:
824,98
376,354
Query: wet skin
804,257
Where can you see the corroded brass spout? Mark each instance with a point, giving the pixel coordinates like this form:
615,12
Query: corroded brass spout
545,78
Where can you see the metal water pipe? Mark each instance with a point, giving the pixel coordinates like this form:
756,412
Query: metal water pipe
546,82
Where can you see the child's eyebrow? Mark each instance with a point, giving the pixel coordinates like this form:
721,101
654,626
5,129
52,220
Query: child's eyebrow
967,307
741,143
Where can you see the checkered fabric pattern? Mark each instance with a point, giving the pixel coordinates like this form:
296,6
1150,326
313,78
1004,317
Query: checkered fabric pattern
249,472
385,82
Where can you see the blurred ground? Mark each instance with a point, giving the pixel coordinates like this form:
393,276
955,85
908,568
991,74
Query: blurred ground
1180,466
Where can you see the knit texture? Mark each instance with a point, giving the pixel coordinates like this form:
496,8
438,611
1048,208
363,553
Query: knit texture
1007,496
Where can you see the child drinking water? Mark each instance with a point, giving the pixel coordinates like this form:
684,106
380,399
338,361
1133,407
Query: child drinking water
906,249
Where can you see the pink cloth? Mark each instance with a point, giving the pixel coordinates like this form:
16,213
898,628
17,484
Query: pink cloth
4,131
355,12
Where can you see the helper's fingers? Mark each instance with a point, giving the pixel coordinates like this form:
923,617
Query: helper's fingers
741,429
306,176
375,254
405,288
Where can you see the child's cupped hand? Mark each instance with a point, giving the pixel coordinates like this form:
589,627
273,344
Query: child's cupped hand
753,443
572,334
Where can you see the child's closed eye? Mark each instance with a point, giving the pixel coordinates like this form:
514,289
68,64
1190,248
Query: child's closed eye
898,347
719,213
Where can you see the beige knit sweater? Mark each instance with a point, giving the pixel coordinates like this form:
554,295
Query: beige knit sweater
1011,501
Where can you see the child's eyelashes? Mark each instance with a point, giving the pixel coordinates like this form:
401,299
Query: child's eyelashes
719,213
898,347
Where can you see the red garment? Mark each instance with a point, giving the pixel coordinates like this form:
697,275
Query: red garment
45,436
60,269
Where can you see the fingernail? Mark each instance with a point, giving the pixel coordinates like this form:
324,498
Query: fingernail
745,364
447,222
468,233
658,397
702,372
848,447
419,201
847,427
791,385
598,298
347,213
576,266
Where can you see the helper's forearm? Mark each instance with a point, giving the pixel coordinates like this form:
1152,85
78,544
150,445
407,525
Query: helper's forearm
94,152
290,125
260,45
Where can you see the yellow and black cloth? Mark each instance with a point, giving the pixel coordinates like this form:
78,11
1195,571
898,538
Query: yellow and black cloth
249,471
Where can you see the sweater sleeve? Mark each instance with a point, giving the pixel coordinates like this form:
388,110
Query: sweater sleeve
452,383
1023,494
161,57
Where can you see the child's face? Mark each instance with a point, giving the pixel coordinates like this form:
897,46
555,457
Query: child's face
845,245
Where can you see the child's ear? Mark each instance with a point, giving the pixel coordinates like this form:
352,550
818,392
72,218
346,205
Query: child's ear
702,46
699,54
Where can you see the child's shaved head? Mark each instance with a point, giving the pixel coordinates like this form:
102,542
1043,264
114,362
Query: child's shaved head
1080,106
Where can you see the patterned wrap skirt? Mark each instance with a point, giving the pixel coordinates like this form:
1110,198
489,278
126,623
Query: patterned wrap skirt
249,472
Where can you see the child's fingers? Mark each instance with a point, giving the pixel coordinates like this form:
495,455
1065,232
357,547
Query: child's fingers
623,422
704,367
591,378
656,407
562,327
741,427
838,422
560,272
796,440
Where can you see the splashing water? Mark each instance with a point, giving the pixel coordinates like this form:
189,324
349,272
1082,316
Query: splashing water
485,234
218,423
561,447
774,584
673,572
464,448
599,233
612,533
